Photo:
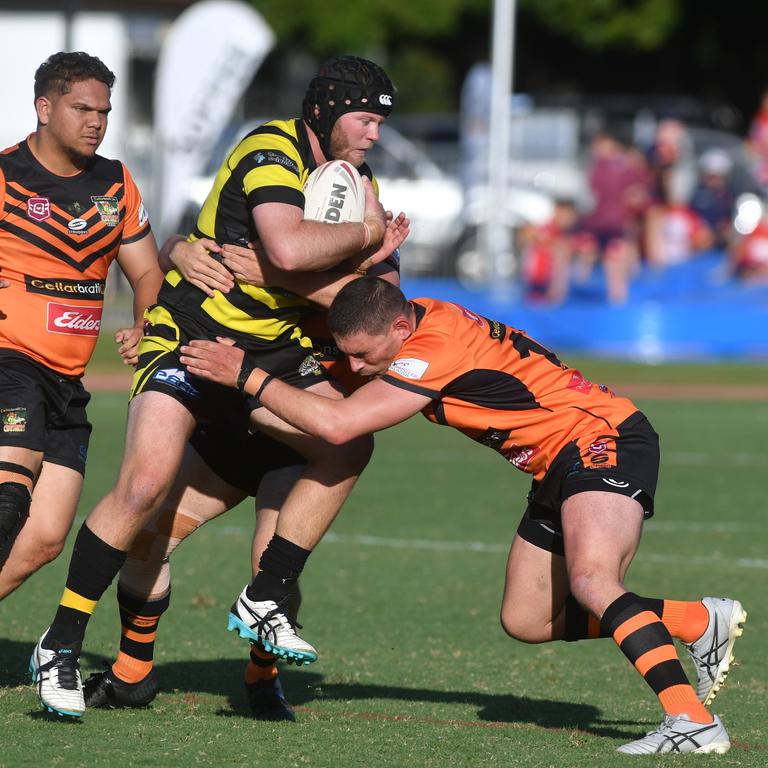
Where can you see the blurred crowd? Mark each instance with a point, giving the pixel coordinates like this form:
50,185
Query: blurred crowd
656,206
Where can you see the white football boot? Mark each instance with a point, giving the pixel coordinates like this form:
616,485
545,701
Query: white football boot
712,653
679,733
57,676
266,623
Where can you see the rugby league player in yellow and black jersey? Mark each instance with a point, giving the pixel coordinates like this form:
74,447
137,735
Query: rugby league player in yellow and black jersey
257,197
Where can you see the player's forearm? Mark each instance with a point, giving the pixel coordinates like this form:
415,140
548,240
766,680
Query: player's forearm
145,290
164,256
315,246
319,287
311,413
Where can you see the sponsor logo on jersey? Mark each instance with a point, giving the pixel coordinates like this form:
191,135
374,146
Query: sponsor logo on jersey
143,214
497,330
409,367
39,208
470,315
310,367
13,419
579,383
616,483
385,99
73,320
91,290
599,446
78,226
268,156
176,378
108,209
494,438
520,456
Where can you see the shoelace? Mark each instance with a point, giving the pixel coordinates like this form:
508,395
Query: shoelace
67,667
281,618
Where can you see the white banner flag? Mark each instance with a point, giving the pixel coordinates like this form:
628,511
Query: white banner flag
207,61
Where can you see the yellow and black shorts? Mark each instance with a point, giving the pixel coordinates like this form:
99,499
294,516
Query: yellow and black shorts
159,369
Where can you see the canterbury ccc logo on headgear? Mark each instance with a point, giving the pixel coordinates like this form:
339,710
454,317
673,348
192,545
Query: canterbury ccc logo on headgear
385,99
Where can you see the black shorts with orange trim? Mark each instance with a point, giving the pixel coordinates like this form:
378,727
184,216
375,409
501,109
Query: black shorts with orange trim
43,411
634,473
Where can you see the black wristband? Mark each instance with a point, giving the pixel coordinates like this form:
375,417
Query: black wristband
260,390
246,369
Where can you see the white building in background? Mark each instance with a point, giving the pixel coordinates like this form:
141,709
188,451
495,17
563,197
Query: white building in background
127,36
181,68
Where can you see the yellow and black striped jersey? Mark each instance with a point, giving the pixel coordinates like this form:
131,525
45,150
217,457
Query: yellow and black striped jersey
269,165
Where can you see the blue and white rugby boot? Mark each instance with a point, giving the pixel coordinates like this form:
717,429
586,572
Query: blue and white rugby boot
56,672
266,622
712,653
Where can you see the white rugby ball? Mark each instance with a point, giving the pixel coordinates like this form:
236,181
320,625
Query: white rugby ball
334,193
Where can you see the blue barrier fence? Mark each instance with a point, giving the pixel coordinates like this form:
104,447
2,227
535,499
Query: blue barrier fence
687,312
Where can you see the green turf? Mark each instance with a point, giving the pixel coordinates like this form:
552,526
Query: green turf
414,667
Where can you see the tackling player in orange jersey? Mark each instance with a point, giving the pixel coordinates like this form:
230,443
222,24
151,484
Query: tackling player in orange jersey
66,214
594,460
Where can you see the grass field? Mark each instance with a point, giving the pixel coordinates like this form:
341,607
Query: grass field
402,602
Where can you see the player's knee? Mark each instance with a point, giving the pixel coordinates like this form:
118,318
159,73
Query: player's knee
43,552
139,493
518,627
14,511
586,582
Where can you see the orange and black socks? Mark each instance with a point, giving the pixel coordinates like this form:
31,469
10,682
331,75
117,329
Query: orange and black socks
92,568
685,620
647,643
261,665
138,629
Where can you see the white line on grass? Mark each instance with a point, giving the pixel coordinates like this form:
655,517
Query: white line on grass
479,546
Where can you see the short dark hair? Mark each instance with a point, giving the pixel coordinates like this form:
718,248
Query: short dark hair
57,73
366,305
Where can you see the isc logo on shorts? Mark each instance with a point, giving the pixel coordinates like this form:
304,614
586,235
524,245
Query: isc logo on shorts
176,378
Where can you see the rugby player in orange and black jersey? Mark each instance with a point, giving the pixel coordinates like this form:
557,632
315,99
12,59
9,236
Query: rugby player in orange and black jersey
66,214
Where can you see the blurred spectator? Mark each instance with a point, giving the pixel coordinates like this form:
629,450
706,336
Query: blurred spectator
757,142
618,181
749,255
674,232
714,197
546,254
670,161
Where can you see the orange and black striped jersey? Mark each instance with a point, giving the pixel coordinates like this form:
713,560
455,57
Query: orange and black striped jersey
269,165
503,389
58,236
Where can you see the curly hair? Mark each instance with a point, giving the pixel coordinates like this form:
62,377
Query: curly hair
57,73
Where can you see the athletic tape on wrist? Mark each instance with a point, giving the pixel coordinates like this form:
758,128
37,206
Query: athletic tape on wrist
246,369
260,390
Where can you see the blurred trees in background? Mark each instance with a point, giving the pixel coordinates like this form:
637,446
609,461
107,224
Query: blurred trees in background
710,49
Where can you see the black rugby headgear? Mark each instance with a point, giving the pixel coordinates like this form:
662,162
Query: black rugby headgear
345,84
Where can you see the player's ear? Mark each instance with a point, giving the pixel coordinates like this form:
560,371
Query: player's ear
401,325
42,107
